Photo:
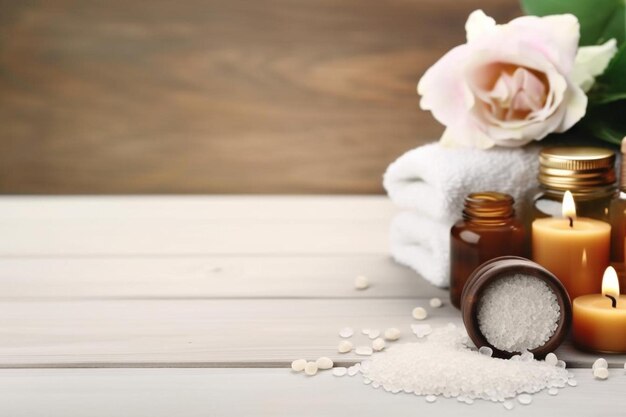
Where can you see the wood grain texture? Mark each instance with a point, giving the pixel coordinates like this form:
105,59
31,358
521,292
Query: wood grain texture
265,393
216,96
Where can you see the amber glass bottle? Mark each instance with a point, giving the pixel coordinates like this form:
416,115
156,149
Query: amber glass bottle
489,229
588,172
618,215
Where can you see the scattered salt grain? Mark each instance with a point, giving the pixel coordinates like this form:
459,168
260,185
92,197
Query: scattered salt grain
508,405
378,344
310,368
353,370
551,359
363,350
553,391
524,399
344,346
365,331
601,373
518,313
340,371
561,364
419,313
431,398
572,382
600,363
361,282
443,365
394,334
346,332
324,363
298,365
485,350
527,356
435,302
374,333
421,330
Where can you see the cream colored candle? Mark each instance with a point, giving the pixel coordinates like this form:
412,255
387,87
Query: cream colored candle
576,250
599,320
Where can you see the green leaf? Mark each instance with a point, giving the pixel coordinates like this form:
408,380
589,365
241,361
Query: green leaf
600,20
607,122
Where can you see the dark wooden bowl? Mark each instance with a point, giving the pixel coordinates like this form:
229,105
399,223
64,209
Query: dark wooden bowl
504,266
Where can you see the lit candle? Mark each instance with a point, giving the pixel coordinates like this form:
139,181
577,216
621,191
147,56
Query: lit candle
599,320
576,250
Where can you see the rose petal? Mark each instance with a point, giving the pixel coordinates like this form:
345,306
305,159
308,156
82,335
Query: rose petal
591,61
477,24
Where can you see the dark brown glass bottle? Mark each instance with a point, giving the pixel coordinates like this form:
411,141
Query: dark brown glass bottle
489,229
618,216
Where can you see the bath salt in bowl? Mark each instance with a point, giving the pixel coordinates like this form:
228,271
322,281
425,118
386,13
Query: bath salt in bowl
514,305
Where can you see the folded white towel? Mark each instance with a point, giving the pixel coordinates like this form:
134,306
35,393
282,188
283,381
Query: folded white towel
434,180
422,244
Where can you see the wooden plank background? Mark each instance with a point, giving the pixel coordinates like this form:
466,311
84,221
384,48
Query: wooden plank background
197,96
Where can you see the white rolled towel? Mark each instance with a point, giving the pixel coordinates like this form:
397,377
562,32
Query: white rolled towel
434,180
431,182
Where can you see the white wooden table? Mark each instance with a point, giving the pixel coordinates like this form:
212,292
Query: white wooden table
195,306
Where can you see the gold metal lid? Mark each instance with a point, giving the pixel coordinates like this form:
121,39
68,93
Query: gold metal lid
578,169
488,207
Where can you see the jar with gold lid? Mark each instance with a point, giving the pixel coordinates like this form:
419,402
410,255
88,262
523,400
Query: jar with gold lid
488,229
587,172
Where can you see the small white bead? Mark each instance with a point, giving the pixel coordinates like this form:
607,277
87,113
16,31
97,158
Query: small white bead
378,344
298,365
600,363
344,346
340,371
374,333
525,399
435,302
363,350
361,282
346,332
324,363
394,334
419,313
601,373
310,368
551,359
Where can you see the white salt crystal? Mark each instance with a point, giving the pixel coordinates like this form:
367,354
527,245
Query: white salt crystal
485,350
346,332
421,330
378,344
363,350
298,365
601,373
310,368
553,391
624,366
518,313
344,346
525,399
443,365
561,364
551,359
419,313
361,282
367,381
435,302
600,363
508,405
365,331
373,334
324,363
392,334
572,382
527,356
340,371
353,370
431,398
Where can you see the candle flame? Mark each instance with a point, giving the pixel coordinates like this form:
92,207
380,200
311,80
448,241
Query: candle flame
569,207
610,284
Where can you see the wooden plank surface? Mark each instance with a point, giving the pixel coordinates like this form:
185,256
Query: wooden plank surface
265,392
129,96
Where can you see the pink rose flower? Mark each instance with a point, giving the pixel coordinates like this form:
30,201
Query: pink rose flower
512,83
